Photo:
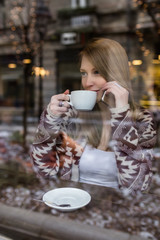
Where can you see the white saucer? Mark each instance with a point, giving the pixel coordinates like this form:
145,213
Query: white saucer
77,198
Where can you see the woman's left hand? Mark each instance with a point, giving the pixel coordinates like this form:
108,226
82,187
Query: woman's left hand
120,93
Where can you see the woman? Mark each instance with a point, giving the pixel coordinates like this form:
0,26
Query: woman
116,152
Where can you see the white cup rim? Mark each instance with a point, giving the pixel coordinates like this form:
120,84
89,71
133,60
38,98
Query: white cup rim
83,91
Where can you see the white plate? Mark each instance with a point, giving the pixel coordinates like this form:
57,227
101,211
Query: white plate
77,198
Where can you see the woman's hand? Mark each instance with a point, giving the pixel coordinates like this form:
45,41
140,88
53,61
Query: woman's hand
59,103
120,93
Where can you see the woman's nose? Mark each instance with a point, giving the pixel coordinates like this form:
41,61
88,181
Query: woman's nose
89,81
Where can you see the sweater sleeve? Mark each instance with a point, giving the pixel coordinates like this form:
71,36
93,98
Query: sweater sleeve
51,150
133,145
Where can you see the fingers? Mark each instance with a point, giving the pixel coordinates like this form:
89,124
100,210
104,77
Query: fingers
113,84
59,103
119,92
66,92
114,87
58,110
60,97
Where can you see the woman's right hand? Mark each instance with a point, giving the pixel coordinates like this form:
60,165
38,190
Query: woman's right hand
59,103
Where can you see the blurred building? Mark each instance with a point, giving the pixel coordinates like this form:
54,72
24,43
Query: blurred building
40,41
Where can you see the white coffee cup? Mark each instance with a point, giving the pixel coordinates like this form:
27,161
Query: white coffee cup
83,100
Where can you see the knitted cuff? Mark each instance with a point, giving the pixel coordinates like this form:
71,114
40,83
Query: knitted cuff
120,110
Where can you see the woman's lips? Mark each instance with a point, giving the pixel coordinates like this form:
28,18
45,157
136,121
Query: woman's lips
95,90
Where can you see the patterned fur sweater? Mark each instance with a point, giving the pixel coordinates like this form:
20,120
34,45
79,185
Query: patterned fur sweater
55,153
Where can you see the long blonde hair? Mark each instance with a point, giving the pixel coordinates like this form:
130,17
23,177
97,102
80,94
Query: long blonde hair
111,61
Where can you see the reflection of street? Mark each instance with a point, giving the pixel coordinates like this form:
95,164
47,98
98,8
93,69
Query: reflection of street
108,209
11,149
144,90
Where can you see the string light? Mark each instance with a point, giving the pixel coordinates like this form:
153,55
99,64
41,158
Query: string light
19,30
27,61
144,6
40,71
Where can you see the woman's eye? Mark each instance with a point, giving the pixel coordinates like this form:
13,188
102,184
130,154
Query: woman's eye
96,72
83,74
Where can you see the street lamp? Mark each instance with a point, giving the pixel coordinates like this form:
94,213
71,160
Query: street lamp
42,17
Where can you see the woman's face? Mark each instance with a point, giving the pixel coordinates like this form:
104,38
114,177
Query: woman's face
91,78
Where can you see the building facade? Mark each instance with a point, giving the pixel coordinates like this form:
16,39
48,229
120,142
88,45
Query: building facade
52,36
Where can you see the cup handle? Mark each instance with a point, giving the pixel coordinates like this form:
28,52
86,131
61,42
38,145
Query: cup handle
69,102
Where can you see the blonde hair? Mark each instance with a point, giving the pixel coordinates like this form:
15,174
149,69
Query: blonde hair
110,59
